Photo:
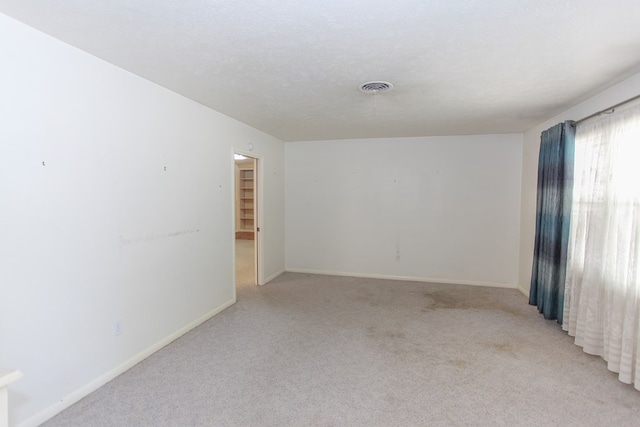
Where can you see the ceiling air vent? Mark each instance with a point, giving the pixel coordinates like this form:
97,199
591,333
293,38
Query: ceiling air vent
376,87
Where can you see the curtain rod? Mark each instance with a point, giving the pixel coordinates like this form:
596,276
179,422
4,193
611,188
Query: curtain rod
607,110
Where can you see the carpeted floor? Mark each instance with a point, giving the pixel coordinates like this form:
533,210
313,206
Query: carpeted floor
311,350
245,263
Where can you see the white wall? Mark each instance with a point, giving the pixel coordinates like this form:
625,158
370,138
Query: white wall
92,227
440,208
531,147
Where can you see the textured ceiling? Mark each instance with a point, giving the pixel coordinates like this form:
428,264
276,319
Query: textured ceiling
292,68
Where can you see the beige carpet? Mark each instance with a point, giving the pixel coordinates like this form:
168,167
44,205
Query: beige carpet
245,263
311,350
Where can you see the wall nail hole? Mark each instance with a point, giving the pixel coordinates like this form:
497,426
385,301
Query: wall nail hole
42,163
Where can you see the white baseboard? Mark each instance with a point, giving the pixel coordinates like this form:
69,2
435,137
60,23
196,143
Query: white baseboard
524,291
273,276
92,386
403,278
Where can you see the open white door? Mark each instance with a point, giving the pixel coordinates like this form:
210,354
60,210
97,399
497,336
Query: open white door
258,220
247,214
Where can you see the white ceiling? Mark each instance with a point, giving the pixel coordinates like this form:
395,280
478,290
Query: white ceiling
292,67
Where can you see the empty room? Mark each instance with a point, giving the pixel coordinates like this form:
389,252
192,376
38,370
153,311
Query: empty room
286,213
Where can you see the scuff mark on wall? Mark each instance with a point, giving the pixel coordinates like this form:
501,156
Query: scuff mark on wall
129,241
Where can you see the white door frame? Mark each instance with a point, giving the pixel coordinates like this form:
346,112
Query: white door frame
257,206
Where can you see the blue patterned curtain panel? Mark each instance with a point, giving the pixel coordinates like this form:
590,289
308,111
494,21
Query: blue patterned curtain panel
553,214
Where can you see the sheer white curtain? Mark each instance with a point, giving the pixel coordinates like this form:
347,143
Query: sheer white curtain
602,290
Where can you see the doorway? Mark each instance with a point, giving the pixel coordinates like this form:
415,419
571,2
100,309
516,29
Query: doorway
246,220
